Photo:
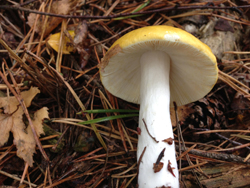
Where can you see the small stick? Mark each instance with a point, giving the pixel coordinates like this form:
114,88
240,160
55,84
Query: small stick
222,137
15,177
211,156
139,161
24,172
148,131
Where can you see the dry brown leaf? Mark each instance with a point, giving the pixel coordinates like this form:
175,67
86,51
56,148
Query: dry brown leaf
11,119
62,7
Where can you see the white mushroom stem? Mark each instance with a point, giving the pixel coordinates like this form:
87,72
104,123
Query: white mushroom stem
155,110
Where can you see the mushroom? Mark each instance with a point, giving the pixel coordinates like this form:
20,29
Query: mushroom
155,66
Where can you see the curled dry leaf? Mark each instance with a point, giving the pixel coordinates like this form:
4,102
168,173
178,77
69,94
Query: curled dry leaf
81,32
11,119
63,7
81,43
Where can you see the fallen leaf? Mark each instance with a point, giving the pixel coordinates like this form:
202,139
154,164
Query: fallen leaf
11,119
81,32
67,47
63,7
223,25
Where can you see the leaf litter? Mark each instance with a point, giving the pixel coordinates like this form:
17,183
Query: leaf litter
93,165
11,120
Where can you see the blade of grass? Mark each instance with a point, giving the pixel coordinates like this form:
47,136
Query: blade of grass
98,120
106,132
123,131
109,111
136,10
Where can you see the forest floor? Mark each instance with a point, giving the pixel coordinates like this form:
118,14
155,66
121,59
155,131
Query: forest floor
61,128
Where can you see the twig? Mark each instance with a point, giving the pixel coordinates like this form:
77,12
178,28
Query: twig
139,161
234,80
217,156
148,131
223,131
125,14
233,148
6,152
24,172
223,137
16,178
27,2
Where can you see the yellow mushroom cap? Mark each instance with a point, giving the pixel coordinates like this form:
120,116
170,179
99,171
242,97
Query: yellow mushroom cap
193,70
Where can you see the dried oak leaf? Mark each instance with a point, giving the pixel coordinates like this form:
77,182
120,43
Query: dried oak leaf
11,119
